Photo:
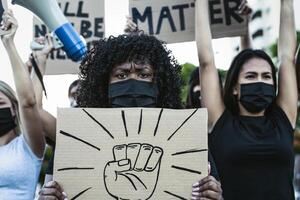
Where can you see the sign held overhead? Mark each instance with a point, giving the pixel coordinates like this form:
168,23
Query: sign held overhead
174,20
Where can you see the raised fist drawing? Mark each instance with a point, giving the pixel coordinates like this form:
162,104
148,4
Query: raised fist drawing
134,172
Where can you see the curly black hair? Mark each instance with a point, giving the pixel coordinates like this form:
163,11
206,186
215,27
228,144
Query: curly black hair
96,67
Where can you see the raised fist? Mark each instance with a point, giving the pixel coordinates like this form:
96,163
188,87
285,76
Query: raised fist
133,174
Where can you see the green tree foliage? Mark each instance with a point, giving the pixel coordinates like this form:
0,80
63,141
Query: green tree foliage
186,71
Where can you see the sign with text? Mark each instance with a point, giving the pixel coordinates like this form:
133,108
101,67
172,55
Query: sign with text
88,19
174,20
130,153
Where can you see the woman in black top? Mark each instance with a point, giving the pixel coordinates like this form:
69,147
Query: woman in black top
252,130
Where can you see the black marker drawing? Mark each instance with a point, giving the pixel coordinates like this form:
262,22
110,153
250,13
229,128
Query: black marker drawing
134,172
124,122
75,168
186,169
80,193
103,127
158,120
78,139
182,124
134,169
141,121
189,151
175,195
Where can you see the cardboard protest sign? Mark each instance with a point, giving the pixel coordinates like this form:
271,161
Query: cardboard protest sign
88,19
133,153
174,20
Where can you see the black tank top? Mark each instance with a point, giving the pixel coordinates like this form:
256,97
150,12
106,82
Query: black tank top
254,156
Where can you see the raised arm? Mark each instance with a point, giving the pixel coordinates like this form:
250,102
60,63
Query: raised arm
287,84
40,57
209,80
30,118
246,10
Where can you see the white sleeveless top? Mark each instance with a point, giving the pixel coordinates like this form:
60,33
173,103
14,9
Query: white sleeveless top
19,170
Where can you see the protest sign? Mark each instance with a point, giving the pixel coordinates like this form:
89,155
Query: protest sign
88,19
174,20
132,153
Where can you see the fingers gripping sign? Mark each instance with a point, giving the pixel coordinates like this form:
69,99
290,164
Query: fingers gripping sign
133,174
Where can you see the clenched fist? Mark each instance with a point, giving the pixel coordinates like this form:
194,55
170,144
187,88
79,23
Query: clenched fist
133,174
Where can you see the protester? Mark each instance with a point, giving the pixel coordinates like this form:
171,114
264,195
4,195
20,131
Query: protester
144,66
21,139
252,130
194,90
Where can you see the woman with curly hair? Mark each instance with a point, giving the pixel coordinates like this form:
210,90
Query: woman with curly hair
115,59
133,70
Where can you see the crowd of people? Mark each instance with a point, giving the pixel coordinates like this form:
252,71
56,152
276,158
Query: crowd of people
251,119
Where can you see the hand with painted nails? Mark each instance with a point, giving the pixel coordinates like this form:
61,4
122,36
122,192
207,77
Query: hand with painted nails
133,174
207,188
52,191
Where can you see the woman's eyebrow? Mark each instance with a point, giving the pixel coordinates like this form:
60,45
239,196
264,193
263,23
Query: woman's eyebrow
251,72
265,73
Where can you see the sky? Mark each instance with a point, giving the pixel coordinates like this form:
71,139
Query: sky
116,10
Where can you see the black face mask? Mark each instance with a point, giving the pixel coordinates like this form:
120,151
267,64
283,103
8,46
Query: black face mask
256,97
132,93
7,122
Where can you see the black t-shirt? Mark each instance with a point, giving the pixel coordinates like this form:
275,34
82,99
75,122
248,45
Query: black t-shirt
254,156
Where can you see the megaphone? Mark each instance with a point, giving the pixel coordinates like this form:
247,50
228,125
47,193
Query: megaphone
49,12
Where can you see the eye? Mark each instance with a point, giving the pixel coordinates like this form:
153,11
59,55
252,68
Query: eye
145,75
250,76
267,77
121,75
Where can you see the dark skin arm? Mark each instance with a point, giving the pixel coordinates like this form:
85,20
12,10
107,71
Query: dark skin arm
207,188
